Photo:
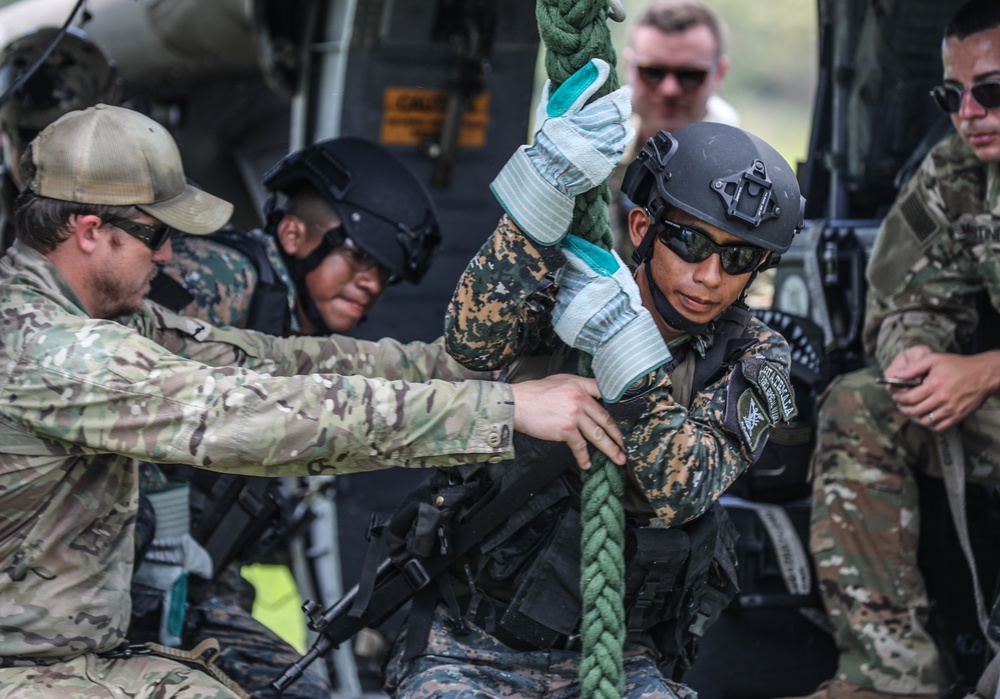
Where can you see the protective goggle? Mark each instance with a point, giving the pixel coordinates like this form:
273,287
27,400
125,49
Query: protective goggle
358,259
336,241
688,78
949,97
694,246
153,235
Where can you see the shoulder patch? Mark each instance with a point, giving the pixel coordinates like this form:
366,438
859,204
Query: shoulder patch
907,231
920,221
752,418
778,392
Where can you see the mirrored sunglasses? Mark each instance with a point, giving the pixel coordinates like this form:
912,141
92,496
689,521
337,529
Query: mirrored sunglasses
687,78
154,235
949,97
694,246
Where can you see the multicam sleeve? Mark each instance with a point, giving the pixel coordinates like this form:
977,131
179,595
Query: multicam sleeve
683,458
501,305
923,271
336,354
104,388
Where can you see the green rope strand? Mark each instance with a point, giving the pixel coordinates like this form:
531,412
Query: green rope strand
574,31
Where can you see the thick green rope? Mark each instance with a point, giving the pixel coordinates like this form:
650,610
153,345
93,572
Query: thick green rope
574,31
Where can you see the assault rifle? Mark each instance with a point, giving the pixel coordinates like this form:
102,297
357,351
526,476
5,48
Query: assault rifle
336,624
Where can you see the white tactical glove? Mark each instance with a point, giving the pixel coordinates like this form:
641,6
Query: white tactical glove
599,311
575,148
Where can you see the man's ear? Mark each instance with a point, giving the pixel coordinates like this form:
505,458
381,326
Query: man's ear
85,232
638,224
722,68
292,234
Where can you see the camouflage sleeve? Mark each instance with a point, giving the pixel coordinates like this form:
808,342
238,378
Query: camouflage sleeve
220,280
923,270
500,308
336,354
105,388
682,459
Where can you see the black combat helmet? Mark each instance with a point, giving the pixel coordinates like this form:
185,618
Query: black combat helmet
723,176
76,74
384,208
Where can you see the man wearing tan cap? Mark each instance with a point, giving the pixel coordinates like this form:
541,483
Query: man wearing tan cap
93,378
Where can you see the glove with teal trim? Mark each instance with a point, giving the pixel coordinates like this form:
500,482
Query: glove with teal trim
576,146
599,310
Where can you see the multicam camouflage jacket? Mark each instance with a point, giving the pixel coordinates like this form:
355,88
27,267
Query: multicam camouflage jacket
686,444
81,399
937,248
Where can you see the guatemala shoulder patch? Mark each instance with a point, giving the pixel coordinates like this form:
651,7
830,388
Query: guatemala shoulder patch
778,392
752,417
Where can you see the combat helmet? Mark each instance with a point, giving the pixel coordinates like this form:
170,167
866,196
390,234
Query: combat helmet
385,209
722,175
76,74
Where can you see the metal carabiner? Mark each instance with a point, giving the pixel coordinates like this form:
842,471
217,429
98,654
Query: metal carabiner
616,10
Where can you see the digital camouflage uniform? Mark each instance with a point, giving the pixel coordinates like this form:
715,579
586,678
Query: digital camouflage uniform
82,399
457,665
937,247
683,451
221,282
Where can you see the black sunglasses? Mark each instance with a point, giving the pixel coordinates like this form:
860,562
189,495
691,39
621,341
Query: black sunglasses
687,78
153,235
694,246
949,97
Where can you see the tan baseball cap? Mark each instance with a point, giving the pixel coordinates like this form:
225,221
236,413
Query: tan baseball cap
119,157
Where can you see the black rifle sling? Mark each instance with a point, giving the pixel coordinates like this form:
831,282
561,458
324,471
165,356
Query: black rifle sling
396,584
241,508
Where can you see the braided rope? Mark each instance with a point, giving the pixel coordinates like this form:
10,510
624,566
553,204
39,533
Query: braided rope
574,31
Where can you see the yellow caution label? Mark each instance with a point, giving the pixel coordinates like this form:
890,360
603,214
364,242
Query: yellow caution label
413,116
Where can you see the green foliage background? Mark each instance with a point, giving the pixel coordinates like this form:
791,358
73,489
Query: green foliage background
773,66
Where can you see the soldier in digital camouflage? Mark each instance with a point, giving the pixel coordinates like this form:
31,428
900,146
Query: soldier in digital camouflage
96,378
345,220
329,249
935,252
695,382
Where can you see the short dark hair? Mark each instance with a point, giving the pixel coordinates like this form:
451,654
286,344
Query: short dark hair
671,16
973,17
42,223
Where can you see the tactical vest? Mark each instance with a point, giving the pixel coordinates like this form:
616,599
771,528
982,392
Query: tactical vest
678,579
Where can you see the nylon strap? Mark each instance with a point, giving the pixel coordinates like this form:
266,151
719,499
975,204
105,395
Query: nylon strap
952,456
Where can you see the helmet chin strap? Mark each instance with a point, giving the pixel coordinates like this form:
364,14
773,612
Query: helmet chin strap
670,314
643,255
297,270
